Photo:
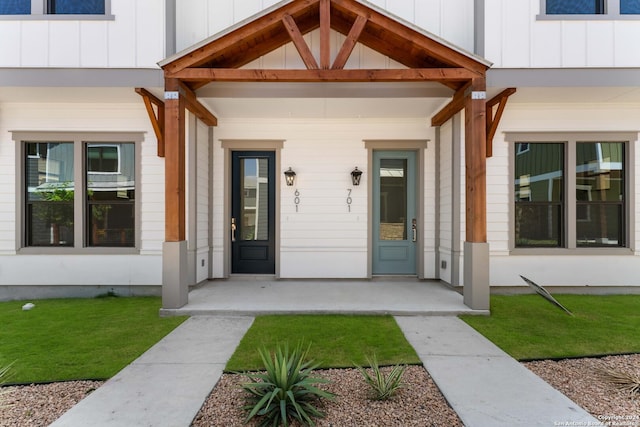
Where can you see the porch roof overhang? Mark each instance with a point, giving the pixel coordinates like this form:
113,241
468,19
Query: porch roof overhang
424,58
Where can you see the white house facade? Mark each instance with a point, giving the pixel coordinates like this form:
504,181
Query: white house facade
147,146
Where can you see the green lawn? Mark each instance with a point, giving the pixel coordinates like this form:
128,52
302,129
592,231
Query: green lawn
68,339
336,341
529,327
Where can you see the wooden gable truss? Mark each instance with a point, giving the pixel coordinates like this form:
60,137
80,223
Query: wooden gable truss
426,58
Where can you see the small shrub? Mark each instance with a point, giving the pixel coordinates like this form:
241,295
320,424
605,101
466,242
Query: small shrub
285,391
383,386
628,381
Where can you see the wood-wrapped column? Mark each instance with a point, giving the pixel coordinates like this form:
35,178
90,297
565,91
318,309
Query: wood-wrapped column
476,248
174,249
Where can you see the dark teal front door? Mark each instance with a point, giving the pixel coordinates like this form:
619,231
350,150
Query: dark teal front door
253,212
394,213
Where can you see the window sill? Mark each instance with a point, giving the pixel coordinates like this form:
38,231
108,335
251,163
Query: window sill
49,250
61,17
588,17
574,252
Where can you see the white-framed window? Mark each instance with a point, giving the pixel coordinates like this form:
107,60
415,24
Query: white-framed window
571,191
589,9
78,190
56,9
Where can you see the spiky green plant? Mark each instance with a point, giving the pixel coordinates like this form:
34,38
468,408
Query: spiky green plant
5,372
383,386
285,391
628,381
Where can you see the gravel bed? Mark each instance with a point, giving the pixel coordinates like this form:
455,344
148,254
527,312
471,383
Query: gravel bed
419,404
42,404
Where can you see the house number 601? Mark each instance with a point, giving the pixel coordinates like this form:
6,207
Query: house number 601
296,199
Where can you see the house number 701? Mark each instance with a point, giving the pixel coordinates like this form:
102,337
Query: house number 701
349,199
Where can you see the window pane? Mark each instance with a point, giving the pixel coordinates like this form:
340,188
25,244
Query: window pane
393,203
538,225
15,7
50,193
629,7
600,190
76,7
599,224
255,199
539,194
111,194
575,7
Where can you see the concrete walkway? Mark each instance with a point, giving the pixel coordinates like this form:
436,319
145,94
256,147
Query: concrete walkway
484,385
168,384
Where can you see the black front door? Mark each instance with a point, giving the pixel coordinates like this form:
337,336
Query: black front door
253,212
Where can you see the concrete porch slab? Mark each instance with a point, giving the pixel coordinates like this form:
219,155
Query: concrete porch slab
397,296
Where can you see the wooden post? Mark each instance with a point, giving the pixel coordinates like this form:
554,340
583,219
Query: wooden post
475,162
174,163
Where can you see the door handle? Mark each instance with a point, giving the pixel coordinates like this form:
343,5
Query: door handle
414,229
233,229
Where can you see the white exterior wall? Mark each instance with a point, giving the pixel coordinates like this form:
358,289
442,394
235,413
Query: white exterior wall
557,269
449,19
322,239
82,269
134,39
515,38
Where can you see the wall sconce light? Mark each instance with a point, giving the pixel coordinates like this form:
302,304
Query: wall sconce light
355,176
290,176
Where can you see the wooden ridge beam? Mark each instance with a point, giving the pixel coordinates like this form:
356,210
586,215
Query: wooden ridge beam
157,121
298,41
192,104
493,120
441,75
349,43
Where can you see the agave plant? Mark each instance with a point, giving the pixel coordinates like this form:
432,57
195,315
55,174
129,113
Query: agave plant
383,386
286,390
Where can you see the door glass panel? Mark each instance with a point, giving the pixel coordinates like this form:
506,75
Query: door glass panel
393,199
254,202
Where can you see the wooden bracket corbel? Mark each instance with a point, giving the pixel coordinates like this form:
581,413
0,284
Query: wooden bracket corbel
494,120
157,121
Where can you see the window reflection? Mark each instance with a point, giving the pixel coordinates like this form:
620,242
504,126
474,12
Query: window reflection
50,193
111,194
539,182
599,193
393,199
255,199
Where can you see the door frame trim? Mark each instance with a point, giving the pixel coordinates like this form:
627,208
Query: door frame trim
419,146
230,145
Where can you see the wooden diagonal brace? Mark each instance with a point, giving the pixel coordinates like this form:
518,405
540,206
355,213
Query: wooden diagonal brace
349,43
494,120
298,41
192,104
157,121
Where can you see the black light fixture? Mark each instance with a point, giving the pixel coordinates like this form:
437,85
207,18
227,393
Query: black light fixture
355,176
290,176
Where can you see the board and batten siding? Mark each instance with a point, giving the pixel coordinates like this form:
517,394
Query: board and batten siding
80,269
135,38
599,269
514,38
319,236
450,19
